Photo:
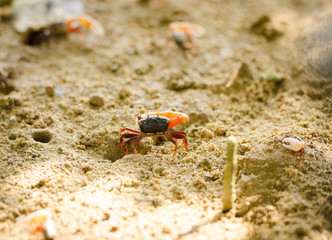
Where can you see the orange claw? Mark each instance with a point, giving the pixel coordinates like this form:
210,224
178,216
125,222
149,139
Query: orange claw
187,28
178,119
36,230
83,25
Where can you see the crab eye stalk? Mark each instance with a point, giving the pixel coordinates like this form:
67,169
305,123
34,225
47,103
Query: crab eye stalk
146,111
158,110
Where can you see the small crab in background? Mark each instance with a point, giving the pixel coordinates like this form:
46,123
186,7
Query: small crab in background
41,20
293,143
39,221
155,124
85,27
183,34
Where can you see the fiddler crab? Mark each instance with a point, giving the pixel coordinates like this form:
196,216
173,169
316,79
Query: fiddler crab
84,26
183,34
293,143
155,124
39,221
41,20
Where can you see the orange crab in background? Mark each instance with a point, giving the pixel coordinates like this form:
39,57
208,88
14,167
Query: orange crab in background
155,124
38,222
183,34
84,25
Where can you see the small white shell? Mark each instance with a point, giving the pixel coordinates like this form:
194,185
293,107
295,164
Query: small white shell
293,143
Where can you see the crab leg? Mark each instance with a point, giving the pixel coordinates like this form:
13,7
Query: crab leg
180,135
169,137
130,130
301,154
279,141
127,135
295,155
131,141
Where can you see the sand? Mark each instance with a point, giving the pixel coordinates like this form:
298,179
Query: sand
68,100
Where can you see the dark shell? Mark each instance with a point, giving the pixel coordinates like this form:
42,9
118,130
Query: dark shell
154,124
37,37
44,35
